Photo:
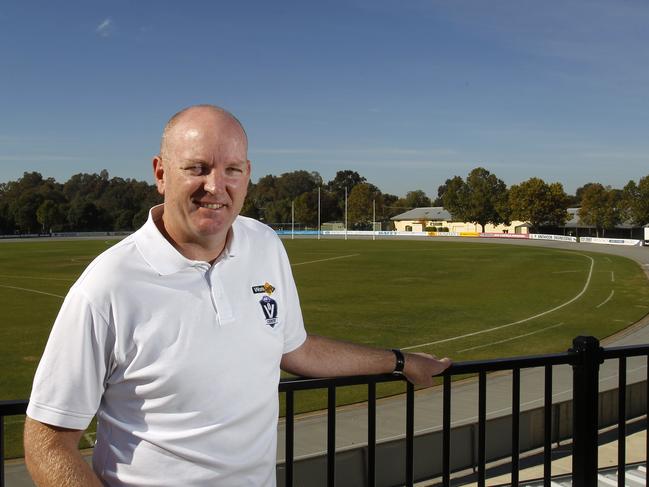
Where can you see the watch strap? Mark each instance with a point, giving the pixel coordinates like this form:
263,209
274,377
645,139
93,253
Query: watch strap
400,361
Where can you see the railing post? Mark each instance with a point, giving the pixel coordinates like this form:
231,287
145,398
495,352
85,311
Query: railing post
585,410
2,451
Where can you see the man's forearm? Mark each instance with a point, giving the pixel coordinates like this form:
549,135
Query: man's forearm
53,458
325,357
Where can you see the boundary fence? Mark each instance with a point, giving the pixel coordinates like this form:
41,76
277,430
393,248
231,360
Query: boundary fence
507,236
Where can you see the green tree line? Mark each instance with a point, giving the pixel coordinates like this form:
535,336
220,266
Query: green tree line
85,202
483,198
96,202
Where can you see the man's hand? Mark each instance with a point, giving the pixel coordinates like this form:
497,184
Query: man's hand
421,367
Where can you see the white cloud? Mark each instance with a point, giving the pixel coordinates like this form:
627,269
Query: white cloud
105,28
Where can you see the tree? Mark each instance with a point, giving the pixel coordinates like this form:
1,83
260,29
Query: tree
539,203
361,203
87,186
481,199
290,185
414,199
306,207
635,201
271,197
391,207
599,208
417,199
344,179
50,215
84,216
452,195
6,217
25,211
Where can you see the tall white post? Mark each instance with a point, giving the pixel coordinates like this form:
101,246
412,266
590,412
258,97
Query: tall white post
345,212
292,220
319,226
373,219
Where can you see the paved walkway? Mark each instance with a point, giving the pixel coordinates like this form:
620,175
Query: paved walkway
311,429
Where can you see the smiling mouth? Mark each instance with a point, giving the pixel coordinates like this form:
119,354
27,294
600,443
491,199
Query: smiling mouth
211,206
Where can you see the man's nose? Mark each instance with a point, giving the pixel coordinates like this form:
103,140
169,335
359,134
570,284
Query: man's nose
214,182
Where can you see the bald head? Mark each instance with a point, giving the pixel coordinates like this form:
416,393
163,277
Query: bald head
217,116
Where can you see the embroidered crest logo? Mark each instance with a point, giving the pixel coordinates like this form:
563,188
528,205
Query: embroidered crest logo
269,307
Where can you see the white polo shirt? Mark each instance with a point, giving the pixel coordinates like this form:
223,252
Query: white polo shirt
179,359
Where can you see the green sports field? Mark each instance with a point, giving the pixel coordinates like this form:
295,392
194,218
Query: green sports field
466,300
461,299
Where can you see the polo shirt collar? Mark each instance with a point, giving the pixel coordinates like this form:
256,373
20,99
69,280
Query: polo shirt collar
163,257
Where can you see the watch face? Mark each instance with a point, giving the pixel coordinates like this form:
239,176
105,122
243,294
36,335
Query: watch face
400,361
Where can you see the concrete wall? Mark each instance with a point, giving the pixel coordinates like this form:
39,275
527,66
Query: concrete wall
351,465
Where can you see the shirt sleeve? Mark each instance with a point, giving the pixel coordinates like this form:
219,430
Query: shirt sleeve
294,332
71,375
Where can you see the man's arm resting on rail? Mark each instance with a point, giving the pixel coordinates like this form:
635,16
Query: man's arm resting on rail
325,357
52,456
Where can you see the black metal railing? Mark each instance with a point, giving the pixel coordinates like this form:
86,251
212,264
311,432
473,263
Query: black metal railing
584,357
8,408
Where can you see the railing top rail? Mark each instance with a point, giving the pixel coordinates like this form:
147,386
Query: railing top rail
14,407
525,362
626,351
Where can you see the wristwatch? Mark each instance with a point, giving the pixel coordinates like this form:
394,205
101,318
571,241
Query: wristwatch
400,361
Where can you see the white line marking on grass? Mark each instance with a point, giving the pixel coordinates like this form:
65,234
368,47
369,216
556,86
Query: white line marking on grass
37,277
606,300
459,337
90,438
32,291
612,276
510,339
324,260
608,259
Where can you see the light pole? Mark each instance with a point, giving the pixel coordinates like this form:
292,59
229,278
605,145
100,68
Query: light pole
345,212
373,219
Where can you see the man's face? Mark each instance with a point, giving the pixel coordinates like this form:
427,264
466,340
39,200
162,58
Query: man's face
203,175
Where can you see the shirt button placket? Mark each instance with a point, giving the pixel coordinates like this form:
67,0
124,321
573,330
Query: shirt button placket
205,269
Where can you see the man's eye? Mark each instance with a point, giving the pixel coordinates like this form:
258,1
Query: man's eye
195,170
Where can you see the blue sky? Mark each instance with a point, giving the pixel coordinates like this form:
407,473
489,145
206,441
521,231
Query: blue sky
406,92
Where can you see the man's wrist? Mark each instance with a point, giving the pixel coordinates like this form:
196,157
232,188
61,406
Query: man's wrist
400,361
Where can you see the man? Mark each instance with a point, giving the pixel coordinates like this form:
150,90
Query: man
175,336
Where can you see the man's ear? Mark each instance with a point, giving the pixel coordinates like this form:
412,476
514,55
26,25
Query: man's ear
158,174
